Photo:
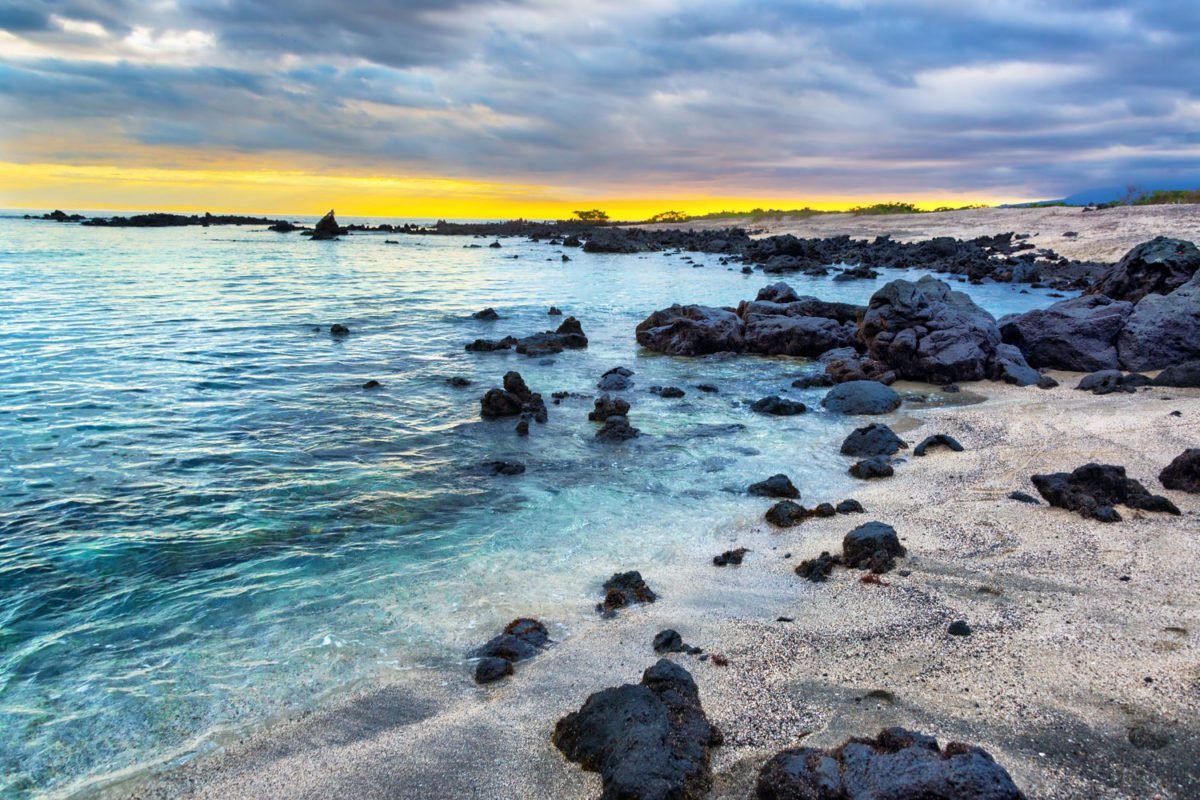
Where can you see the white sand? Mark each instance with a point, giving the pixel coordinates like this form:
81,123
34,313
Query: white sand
1050,682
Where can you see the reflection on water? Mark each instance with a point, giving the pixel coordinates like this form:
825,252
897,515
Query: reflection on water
205,519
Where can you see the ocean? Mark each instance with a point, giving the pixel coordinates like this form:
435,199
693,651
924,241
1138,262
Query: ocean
206,521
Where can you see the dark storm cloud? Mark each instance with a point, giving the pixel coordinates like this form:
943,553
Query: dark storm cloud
767,97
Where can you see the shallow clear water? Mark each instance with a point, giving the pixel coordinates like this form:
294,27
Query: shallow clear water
204,519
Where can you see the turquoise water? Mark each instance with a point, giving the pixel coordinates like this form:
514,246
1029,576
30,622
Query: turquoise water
205,520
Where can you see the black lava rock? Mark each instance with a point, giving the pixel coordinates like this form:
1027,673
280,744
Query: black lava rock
959,628
617,429
1093,489
608,406
818,569
488,314
875,439
937,440
785,514
667,392
872,546
624,589
730,557
492,669
778,406
669,641
1183,473
649,741
850,506
896,765
870,468
775,486
372,384
1021,497
339,330
861,397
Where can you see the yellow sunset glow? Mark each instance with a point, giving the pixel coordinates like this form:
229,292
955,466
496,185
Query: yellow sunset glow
284,192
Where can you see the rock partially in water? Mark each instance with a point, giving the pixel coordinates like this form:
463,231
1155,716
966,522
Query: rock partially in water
608,406
504,467
786,514
372,384
937,440
874,546
337,329
492,669
649,741
896,765
1093,489
458,382
875,439
872,468
1183,473
667,392
624,589
554,312
778,406
691,331
486,314
327,228
514,399
617,429
775,486
861,397
613,381
522,638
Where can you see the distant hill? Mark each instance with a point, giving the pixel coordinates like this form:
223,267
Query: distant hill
1109,194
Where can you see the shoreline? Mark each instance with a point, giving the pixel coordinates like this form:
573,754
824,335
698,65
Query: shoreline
1051,682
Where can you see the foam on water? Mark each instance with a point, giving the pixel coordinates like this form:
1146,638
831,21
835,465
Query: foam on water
204,519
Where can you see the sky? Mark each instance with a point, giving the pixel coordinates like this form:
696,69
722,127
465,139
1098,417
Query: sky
490,108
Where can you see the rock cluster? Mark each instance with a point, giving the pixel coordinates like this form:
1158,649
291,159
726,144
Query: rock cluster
1093,489
522,638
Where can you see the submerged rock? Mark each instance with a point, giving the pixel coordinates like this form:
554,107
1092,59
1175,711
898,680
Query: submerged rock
648,741
617,429
1183,473
896,765
778,406
775,486
875,439
937,440
1093,489
861,397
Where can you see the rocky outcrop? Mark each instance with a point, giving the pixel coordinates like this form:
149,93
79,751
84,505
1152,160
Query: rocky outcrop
1093,489
777,406
1163,330
926,331
617,429
648,741
568,336
861,397
328,228
608,406
1183,473
692,331
1079,334
896,765
1159,266
513,400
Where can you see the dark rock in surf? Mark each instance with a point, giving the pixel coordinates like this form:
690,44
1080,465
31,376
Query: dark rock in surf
786,514
624,589
617,429
775,486
778,406
861,397
875,439
850,506
327,228
871,468
486,314
608,406
691,331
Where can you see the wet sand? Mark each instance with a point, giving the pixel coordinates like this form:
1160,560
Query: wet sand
1082,684
1103,236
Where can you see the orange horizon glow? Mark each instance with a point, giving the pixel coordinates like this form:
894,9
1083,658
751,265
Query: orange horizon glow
49,186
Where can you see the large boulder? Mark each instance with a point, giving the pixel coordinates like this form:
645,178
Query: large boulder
896,765
808,337
1183,473
1079,334
873,545
692,331
928,332
1159,266
1185,375
861,397
1093,489
327,228
649,741
1163,330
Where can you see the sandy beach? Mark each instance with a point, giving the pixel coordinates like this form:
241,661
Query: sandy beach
1103,235
1082,676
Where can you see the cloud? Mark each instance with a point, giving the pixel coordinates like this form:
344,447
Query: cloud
755,97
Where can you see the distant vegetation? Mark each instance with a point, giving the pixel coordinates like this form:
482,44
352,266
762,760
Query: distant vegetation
1168,197
670,216
762,214
594,215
